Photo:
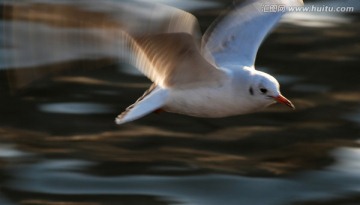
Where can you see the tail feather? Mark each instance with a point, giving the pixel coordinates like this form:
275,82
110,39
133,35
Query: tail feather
153,99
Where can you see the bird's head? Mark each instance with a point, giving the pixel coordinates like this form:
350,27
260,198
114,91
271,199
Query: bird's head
266,89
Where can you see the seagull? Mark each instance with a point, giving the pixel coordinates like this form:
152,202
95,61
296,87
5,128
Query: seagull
215,77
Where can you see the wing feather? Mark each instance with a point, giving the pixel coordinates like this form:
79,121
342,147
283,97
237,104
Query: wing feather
161,41
236,37
176,61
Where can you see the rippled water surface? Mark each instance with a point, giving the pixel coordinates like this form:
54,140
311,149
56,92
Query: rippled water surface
61,86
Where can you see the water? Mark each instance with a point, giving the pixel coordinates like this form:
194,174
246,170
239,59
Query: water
59,143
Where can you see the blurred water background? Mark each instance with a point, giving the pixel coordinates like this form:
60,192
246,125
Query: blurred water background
61,86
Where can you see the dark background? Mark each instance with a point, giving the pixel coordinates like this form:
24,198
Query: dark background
59,143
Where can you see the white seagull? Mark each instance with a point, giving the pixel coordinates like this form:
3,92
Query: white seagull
215,79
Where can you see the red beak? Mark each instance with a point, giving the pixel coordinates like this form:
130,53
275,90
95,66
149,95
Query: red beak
283,100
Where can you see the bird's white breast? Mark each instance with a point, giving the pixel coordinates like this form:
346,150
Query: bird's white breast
210,101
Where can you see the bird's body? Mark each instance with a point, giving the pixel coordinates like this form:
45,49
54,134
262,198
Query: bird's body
216,100
215,79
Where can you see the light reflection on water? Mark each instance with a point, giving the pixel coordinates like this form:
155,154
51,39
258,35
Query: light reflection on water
348,160
59,143
52,177
354,116
189,5
76,108
8,151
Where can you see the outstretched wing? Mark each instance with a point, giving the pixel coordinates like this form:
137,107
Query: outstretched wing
234,39
160,40
76,28
167,48
174,60
152,99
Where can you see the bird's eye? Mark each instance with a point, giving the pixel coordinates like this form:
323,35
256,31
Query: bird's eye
263,90
251,91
